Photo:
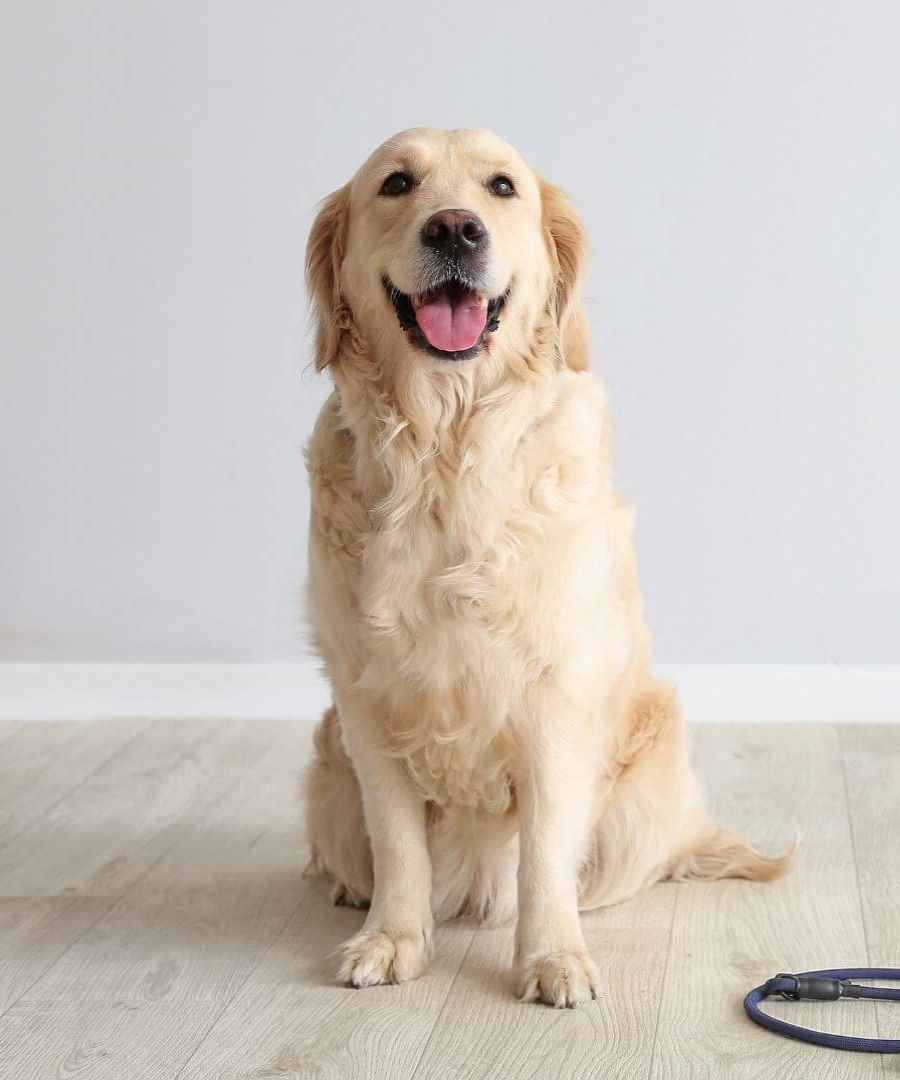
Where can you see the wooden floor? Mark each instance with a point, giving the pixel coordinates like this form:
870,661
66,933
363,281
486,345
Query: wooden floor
154,922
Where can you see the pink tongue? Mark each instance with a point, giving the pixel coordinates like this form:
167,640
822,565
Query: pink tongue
449,328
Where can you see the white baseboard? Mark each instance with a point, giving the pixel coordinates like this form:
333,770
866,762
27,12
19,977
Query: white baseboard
83,691
711,693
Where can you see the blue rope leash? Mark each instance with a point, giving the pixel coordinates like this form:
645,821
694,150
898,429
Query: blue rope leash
828,985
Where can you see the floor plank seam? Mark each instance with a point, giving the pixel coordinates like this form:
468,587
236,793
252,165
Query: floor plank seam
144,726
202,813
117,901
852,831
57,959
662,986
447,996
14,730
252,971
859,892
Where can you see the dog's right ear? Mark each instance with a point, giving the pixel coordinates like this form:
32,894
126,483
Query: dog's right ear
324,256
568,250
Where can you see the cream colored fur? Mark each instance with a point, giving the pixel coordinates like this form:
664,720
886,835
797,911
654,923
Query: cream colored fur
498,745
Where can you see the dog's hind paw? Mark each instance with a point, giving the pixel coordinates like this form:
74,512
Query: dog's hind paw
344,896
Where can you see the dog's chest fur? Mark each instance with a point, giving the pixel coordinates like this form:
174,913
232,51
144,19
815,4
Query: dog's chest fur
459,578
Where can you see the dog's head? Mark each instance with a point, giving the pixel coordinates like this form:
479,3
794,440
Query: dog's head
446,246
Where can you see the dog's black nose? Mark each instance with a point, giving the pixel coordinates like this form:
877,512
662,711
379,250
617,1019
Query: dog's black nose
454,232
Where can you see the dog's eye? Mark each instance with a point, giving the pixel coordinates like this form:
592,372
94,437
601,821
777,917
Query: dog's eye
398,183
502,186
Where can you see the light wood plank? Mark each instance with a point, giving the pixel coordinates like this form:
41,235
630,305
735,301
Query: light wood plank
486,1033
110,830
203,955
871,755
35,933
195,925
292,1020
729,936
43,761
40,1041
7,728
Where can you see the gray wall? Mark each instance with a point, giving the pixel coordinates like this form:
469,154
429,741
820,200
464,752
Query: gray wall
737,165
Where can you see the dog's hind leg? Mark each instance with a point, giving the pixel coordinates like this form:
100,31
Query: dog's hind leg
651,823
336,826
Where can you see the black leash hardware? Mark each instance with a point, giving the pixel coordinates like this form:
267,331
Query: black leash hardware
815,988
827,985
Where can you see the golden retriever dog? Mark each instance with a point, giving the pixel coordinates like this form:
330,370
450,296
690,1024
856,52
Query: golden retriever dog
497,746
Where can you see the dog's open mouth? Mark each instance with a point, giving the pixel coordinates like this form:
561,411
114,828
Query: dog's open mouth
450,321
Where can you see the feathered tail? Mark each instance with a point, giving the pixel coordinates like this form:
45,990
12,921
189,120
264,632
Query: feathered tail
723,853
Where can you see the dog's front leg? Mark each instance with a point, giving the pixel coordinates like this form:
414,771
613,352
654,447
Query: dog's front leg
554,787
396,937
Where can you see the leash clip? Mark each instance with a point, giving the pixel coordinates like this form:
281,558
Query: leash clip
817,988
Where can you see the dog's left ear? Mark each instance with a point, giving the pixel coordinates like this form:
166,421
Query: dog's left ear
324,256
568,251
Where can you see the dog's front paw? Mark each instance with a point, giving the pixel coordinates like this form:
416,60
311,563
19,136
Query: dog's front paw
374,957
561,979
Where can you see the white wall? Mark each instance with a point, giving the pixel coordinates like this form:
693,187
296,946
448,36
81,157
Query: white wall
737,165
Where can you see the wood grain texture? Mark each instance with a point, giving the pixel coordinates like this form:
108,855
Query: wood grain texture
51,1041
193,927
106,833
729,936
612,1038
7,727
871,756
41,762
35,933
154,925
292,1020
